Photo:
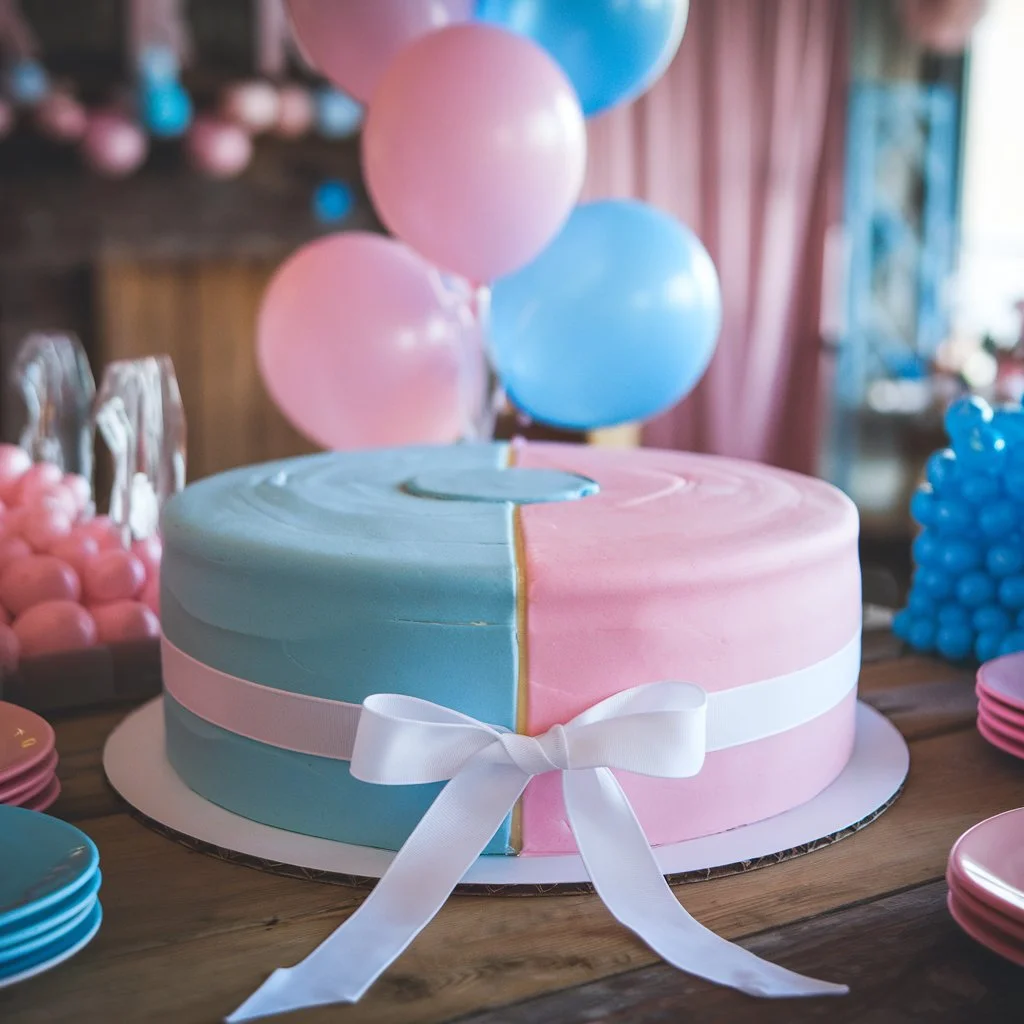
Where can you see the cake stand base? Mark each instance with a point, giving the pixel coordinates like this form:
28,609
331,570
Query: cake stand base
138,769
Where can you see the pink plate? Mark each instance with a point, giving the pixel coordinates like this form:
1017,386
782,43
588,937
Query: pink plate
989,860
980,932
46,798
1011,747
993,919
28,784
25,740
1003,678
1007,733
1000,712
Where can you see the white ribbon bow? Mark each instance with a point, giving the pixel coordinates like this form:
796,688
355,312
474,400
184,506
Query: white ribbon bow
658,729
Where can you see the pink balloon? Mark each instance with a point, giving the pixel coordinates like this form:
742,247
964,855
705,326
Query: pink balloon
474,149
219,148
54,626
113,145
295,112
37,578
353,42
124,620
357,346
114,575
62,117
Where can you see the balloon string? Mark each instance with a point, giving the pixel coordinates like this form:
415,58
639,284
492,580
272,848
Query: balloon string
16,37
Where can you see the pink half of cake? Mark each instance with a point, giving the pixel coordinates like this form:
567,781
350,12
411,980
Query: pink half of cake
692,568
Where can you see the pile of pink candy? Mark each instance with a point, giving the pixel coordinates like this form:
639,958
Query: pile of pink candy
66,579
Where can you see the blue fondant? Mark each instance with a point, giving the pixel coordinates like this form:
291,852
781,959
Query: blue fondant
520,486
323,576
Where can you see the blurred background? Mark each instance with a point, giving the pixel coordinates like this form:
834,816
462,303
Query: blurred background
854,167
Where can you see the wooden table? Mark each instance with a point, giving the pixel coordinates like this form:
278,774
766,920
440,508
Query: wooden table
187,937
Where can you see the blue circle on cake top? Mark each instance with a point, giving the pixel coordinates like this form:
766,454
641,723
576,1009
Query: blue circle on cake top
513,485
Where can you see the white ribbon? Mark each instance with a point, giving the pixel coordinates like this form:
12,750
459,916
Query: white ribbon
658,729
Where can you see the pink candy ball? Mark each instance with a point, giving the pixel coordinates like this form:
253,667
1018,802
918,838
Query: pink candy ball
10,648
113,145
150,596
221,149
253,105
44,525
79,488
102,530
54,626
76,549
36,481
12,549
113,575
58,496
62,117
36,579
295,112
14,462
124,620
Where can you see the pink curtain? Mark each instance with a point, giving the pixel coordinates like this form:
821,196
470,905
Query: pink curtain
742,140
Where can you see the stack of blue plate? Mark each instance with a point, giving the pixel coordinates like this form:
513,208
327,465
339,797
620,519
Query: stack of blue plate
49,885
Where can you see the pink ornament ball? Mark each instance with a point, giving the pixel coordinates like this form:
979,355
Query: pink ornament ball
54,626
76,549
253,105
37,578
12,550
113,575
295,112
36,481
10,648
124,620
80,489
219,148
151,595
102,530
61,117
44,525
113,145
149,552
14,462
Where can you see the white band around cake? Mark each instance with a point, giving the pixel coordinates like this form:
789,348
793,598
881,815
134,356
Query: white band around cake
661,729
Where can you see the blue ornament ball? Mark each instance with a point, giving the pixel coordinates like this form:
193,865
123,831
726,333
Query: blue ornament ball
1005,559
1011,592
959,556
28,81
955,641
166,110
951,516
953,615
338,116
922,505
1012,643
332,201
901,623
920,605
927,548
1009,421
982,450
992,618
921,635
1020,620
998,519
975,589
980,489
965,414
987,645
941,469
1013,481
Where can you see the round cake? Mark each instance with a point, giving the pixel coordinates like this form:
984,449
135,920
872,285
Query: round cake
519,584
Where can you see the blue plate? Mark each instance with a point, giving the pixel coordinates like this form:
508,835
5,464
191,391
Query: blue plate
46,939
54,953
43,860
51,917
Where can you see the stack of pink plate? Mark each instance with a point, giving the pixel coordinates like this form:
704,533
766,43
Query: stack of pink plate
28,759
986,884
1000,690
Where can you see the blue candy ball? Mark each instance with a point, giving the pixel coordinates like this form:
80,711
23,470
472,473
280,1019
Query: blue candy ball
979,489
975,589
1012,643
28,81
927,548
998,519
901,623
941,469
982,450
991,618
920,605
986,647
950,515
1009,421
1020,620
337,115
922,506
921,635
965,414
166,110
955,641
1011,592
1004,559
959,556
332,201
953,615
1013,481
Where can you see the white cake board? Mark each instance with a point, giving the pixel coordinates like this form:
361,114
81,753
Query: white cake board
138,769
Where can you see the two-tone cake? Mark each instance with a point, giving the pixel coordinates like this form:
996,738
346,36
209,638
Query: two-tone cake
519,584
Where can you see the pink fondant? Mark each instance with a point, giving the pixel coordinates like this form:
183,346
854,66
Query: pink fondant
694,568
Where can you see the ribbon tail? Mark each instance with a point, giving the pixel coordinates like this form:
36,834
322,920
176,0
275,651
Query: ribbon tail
625,874
442,847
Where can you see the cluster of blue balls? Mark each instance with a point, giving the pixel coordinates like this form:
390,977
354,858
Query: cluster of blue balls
967,595
165,106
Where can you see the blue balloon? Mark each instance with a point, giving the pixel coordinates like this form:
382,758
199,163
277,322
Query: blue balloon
166,110
337,115
614,322
611,50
